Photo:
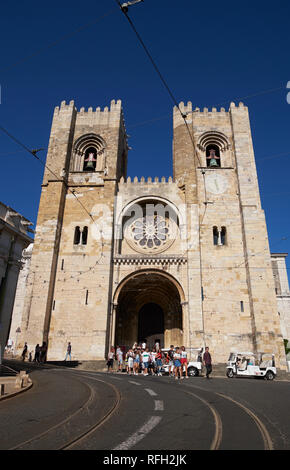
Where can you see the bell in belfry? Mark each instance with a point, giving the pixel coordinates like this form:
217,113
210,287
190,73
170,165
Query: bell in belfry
213,161
90,162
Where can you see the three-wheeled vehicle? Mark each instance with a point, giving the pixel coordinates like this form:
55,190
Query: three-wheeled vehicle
248,364
194,364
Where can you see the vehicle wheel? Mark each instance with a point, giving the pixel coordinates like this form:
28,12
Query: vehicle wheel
230,373
270,375
193,372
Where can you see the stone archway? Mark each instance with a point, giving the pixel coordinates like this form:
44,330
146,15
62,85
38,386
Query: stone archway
148,291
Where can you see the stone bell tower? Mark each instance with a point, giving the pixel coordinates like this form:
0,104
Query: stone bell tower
71,262
229,262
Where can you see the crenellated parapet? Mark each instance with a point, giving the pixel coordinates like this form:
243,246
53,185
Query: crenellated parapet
144,181
192,114
108,116
115,106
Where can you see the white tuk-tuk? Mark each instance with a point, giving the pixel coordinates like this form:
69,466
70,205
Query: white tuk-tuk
194,364
248,364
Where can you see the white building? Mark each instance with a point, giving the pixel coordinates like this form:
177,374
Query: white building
14,238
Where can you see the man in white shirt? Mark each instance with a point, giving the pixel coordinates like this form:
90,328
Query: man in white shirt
145,359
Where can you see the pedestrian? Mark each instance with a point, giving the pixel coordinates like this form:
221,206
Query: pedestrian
126,361
130,361
36,353
30,356
24,352
119,354
136,364
145,359
177,364
157,345
159,362
170,355
183,360
68,351
110,361
153,362
207,362
43,352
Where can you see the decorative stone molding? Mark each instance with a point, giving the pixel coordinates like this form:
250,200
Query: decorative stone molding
149,260
213,137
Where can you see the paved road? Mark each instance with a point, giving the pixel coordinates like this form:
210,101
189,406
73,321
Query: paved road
72,409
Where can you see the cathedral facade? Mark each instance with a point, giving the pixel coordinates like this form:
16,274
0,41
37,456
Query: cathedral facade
184,260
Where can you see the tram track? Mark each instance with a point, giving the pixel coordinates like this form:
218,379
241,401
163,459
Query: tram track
268,443
216,441
85,406
219,410
102,421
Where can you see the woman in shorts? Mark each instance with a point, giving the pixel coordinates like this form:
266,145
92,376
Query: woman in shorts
177,364
136,363
183,360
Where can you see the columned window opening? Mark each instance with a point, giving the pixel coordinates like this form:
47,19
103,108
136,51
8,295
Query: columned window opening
81,236
219,236
89,154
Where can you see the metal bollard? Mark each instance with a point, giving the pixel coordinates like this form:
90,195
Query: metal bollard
2,389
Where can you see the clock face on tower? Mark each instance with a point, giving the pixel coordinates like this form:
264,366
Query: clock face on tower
216,184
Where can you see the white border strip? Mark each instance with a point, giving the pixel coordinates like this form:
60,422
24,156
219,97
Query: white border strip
159,405
140,434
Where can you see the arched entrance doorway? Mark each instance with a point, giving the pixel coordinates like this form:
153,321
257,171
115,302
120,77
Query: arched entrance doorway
148,307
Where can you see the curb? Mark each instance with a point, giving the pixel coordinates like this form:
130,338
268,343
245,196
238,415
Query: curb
14,394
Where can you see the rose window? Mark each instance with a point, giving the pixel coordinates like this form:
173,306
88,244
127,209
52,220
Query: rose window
151,233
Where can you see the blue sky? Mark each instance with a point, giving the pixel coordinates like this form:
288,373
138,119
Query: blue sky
209,52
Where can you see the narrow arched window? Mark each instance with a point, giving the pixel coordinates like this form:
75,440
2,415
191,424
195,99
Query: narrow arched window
215,233
213,159
223,236
77,236
90,160
84,235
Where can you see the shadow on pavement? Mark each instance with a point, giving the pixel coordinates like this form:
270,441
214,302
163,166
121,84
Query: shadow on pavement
18,365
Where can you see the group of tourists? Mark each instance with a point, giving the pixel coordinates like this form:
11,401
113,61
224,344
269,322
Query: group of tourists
40,353
141,360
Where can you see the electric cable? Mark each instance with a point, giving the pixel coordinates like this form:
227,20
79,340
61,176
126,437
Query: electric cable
34,154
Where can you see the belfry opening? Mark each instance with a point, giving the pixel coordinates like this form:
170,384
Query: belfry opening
149,309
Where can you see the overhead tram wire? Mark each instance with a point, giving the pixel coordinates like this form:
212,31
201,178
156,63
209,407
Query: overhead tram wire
34,154
124,9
